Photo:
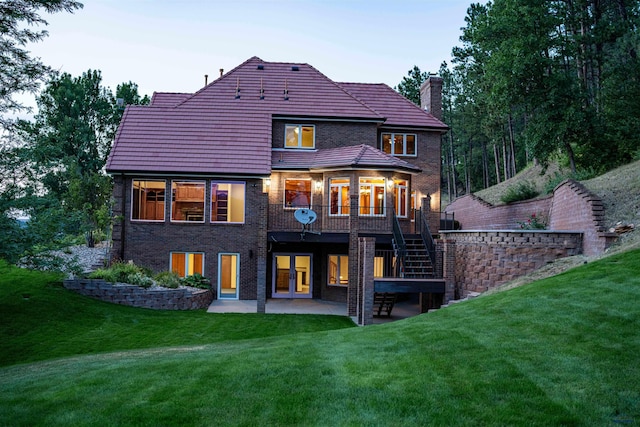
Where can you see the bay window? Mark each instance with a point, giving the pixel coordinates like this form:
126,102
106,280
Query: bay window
339,196
401,199
372,196
297,193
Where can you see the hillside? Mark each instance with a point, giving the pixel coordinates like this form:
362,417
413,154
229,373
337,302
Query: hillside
619,190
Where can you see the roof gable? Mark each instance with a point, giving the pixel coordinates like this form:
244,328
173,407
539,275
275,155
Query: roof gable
226,127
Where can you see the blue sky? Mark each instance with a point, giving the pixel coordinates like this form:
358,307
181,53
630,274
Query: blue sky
169,45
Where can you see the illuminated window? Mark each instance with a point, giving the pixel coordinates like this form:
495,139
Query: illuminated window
399,144
378,266
401,199
187,263
227,202
299,136
147,200
297,193
372,196
338,270
187,202
339,196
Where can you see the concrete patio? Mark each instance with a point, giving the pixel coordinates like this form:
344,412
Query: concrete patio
401,310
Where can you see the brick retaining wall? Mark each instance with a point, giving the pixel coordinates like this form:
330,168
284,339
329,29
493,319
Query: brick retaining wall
571,208
487,259
135,296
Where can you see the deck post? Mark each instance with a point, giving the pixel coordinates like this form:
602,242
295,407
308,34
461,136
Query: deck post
261,257
352,290
366,255
448,269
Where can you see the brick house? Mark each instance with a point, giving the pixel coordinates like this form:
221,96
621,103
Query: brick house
264,179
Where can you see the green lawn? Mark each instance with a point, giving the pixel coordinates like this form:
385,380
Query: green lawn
54,322
562,351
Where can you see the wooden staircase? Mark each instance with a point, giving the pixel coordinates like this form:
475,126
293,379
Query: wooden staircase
417,263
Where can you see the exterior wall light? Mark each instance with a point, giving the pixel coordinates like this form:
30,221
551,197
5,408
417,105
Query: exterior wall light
266,185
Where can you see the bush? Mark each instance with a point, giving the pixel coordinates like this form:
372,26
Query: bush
522,191
123,272
535,222
168,279
197,281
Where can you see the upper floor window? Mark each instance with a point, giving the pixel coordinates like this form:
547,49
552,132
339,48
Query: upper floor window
297,193
148,200
372,196
300,136
187,201
227,202
399,144
339,196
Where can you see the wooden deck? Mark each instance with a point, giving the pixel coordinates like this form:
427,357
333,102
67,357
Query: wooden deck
400,285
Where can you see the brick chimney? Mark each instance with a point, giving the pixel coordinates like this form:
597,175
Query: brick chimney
431,96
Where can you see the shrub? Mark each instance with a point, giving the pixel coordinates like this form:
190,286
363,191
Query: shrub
197,281
522,191
124,272
535,222
168,279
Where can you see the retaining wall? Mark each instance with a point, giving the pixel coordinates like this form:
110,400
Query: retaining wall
486,259
571,207
135,296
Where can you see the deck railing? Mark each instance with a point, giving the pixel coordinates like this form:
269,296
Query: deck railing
370,220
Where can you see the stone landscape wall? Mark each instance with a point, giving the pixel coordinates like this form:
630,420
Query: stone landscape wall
571,207
135,296
483,260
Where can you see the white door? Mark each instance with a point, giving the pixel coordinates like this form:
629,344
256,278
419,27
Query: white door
292,276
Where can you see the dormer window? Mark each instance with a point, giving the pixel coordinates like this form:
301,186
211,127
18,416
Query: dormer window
399,144
300,136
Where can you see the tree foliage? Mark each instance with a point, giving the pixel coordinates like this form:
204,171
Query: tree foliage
409,87
67,147
19,72
541,80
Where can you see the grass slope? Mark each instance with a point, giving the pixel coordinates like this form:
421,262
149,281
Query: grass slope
41,320
561,351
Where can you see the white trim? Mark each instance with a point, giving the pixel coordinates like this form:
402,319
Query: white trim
340,187
164,210
284,192
291,293
372,206
204,201
236,273
404,143
186,260
229,206
300,127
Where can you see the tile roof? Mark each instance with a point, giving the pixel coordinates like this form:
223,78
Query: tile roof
350,157
397,109
168,99
225,127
